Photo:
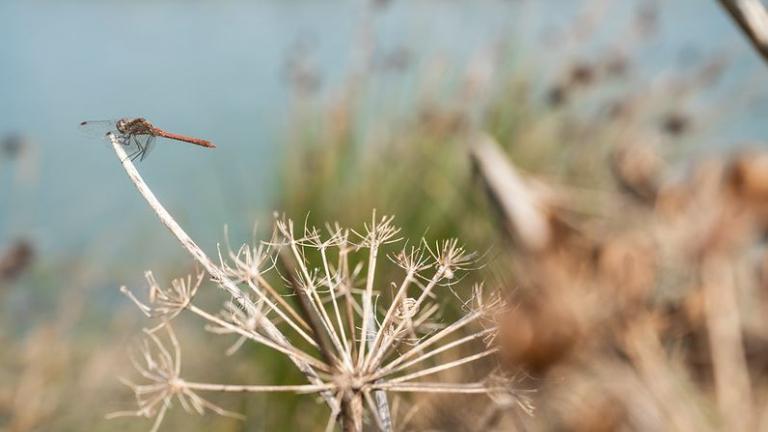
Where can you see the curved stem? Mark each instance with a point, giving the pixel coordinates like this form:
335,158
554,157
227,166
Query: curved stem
215,272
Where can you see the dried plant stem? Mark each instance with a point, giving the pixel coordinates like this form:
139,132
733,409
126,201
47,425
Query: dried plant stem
308,310
381,406
316,313
349,302
375,408
337,312
442,348
287,350
516,202
388,341
282,315
648,356
428,342
308,388
368,299
752,18
445,366
732,383
281,301
216,273
354,404
352,412
427,387
396,301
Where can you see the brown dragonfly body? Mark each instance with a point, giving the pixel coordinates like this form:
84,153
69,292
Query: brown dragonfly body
139,134
141,126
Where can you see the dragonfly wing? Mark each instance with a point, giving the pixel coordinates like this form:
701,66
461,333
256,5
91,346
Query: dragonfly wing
136,145
98,128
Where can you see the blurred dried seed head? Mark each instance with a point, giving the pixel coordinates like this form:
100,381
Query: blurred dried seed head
626,267
582,75
557,96
16,259
538,336
616,66
593,410
442,122
647,19
637,169
676,124
13,145
748,177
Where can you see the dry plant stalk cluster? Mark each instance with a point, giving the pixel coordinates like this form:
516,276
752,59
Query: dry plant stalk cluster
649,312
355,339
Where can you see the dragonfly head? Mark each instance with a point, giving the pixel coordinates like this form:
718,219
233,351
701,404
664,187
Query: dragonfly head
122,125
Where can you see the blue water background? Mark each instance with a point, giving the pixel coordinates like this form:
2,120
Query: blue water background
216,70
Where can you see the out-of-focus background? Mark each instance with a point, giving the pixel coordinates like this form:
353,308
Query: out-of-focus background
332,109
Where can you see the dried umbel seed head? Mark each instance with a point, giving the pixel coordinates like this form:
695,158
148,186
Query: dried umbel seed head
582,74
557,96
675,124
14,145
626,267
354,340
502,390
16,259
413,260
637,169
538,336
616,66
647,18
594,411
407,310
748,176
747,182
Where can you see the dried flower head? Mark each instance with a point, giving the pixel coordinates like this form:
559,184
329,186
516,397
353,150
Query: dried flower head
364,340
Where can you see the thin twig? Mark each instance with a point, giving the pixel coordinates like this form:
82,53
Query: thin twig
752,19
306,308
307,388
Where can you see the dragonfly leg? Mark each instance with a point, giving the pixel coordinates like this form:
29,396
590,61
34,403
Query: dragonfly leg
128,157
132,156
125,143
144,149
141,153
140,150
136,155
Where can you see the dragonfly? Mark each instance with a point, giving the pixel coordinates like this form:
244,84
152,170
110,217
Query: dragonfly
137,135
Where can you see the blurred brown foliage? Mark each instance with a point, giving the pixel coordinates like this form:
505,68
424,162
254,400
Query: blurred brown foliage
649,315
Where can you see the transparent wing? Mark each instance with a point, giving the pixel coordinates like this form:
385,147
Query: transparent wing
98,128
137,146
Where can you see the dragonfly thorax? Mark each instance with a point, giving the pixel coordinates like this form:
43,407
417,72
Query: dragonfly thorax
137,126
